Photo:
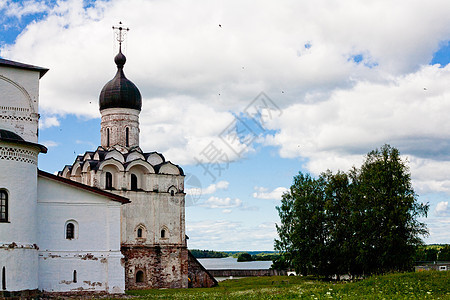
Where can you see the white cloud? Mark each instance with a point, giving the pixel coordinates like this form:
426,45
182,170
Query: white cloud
49,144
48,122
442,208
264,193
229,235
211,189
224,203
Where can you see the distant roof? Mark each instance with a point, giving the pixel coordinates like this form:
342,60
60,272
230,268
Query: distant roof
15,64
9,136
95,190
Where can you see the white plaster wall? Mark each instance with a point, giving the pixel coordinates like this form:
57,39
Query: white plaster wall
21,267
94,253
155,211
117,119
17,238
19,102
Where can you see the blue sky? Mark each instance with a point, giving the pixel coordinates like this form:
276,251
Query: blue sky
337,83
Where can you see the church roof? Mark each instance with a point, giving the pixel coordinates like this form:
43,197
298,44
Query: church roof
18,65
120,92
9,136
95,190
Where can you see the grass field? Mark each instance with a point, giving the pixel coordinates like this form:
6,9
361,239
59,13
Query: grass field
420,285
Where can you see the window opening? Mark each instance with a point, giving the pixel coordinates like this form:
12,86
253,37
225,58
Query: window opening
4,278
70,231
108,184
74,276
133,182
3,206
127,137
107,137
139,276
172,193
163,233
139,233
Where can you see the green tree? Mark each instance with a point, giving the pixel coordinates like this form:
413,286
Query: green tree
244,257
444,253
362,222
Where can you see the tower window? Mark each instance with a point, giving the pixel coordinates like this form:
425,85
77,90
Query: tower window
3,206
139,233
107,137
70,231
127,137
108,181
4,278
172,193
139,277
163,233
134,185
74,276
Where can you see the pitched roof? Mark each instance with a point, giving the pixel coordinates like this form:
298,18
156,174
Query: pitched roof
15,64
95,190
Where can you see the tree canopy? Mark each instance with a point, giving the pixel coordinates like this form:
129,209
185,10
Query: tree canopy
361,222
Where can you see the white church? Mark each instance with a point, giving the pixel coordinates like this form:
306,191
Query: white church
113,220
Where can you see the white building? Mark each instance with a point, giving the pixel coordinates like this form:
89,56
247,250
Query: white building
113,220
55,235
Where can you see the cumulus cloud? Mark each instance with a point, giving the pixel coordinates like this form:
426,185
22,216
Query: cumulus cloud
48,122
229,235
50,144
211,189
345,82
224,203
442,208
264,193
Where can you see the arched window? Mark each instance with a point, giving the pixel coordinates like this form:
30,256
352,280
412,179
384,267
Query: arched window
134,185
107,137
139,232
70,231
139,276
3,206
172,193
163,233
74,276
4,278
127,137
108,181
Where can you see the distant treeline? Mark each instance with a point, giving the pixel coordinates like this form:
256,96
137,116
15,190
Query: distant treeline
208,253
245,256
433,253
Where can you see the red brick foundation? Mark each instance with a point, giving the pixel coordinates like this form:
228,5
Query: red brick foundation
148,267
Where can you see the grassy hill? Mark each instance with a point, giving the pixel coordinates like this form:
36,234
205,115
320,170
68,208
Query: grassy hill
420,285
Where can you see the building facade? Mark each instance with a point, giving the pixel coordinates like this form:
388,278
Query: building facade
153,225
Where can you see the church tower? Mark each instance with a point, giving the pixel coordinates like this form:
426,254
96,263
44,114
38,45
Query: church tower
153,238
19,93
120,104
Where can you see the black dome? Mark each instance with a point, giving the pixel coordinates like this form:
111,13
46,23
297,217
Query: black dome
120,92
9,135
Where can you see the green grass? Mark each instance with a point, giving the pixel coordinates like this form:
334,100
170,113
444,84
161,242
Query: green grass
421,285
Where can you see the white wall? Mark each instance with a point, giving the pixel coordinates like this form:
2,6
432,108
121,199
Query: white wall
19,102
94,252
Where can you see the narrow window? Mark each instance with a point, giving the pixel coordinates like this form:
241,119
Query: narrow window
163,233
109,181
139,233
139,276
4,278
127,137
107,137
70,231
133,182
74,276
172,193
3,206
